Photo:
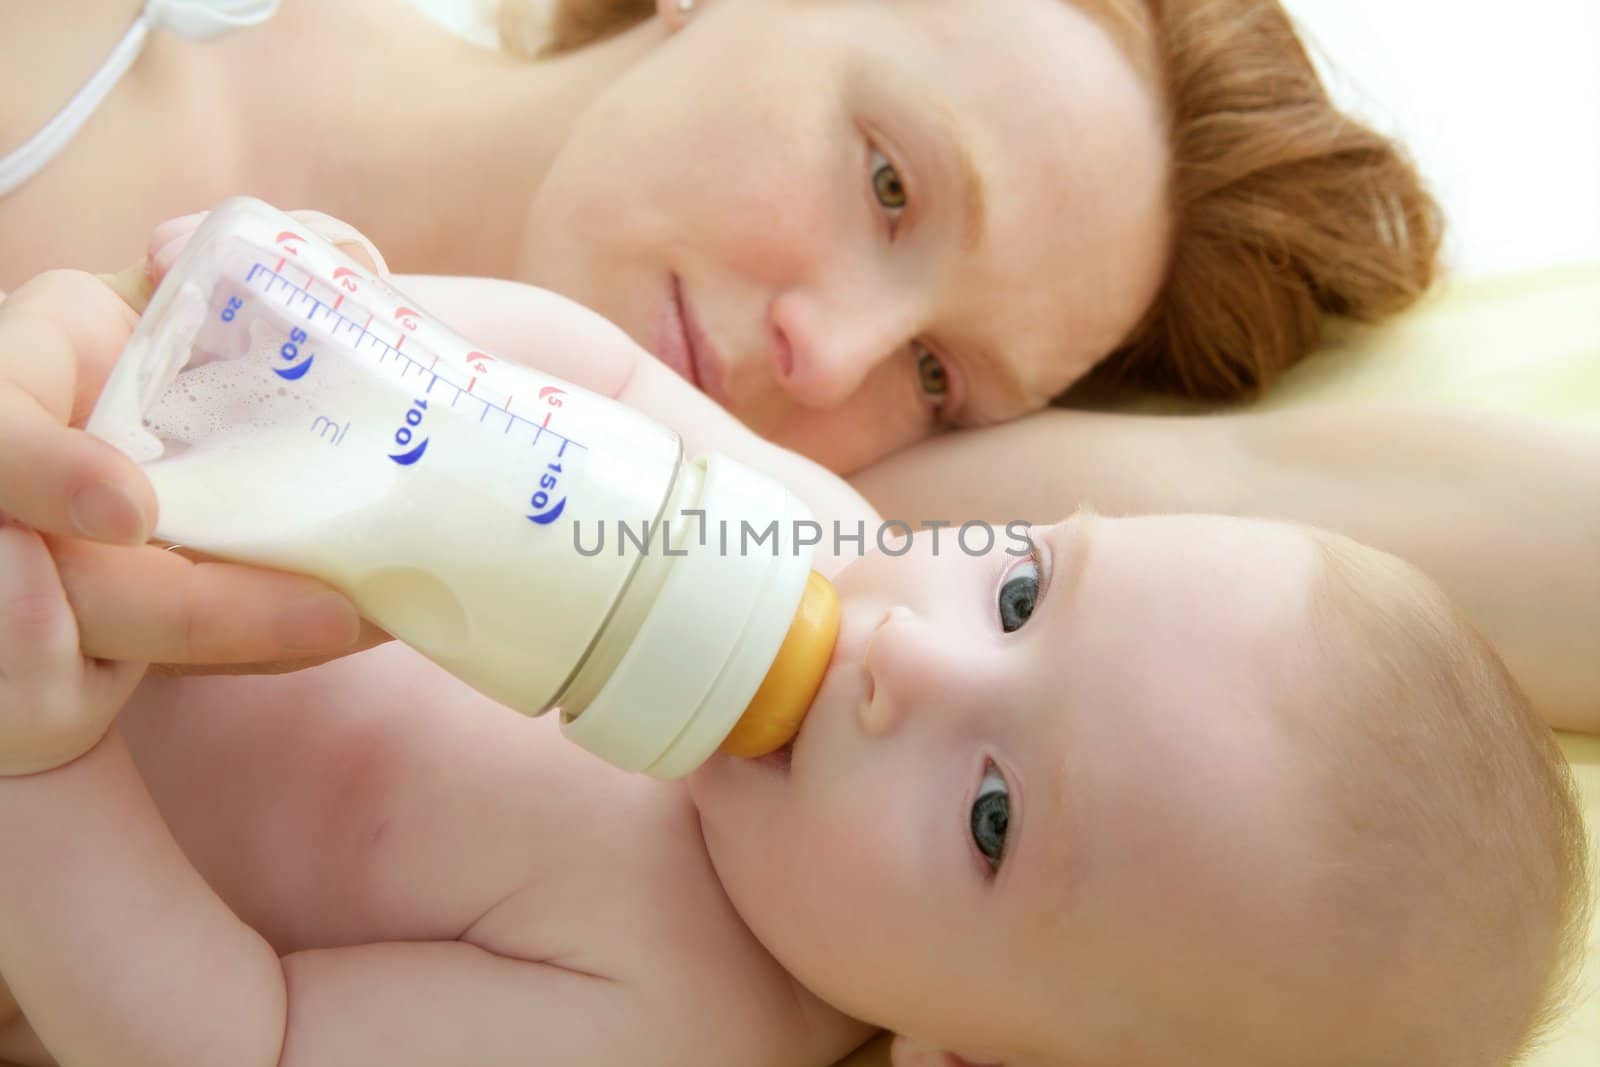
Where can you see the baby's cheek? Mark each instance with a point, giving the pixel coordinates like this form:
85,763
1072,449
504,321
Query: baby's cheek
870,836
942,690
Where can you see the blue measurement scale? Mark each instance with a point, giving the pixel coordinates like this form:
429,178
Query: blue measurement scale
350,325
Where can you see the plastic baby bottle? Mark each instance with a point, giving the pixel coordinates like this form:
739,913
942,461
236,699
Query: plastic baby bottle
294,411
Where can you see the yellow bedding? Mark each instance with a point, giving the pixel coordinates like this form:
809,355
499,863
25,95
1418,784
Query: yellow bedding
1527,344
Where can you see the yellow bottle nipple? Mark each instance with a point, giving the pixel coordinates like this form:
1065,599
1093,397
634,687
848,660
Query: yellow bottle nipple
785,695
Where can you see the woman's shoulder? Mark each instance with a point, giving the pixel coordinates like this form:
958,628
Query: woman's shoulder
1041,467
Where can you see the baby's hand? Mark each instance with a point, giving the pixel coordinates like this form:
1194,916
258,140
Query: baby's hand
55,702
169,239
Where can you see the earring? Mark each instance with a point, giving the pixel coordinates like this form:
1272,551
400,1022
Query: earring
686,7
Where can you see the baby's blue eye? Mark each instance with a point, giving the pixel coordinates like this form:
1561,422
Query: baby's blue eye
990,813
1019,594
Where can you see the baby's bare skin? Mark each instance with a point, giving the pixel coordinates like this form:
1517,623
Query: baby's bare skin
378,799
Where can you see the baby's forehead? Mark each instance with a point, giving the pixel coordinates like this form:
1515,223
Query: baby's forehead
1242,575
1185,634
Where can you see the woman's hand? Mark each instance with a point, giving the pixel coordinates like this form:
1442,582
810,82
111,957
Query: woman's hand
59,335
55,702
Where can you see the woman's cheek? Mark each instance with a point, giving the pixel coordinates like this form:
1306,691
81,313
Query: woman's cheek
777,241
773,207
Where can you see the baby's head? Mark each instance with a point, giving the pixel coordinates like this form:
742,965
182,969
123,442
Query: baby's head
1230,792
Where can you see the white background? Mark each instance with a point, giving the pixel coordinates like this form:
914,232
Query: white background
1500,105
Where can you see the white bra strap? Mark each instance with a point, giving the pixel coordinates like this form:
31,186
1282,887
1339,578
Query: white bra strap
201,20
195,19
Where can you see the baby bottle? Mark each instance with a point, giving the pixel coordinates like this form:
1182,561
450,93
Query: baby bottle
549,546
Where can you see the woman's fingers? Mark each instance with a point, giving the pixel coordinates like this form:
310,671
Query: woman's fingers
62,481
154,606
69,329
54,704
371,637
59,335
133,285
37,634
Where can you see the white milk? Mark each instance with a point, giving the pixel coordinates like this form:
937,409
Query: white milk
294,412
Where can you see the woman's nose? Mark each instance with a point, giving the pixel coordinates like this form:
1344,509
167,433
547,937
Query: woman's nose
822,350
906,669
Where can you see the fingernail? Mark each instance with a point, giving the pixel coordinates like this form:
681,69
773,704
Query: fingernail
343,236
162,259
103,512
354,247
133,285
322,622
173,229
167,240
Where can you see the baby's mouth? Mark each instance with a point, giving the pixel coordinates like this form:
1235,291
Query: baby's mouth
779,759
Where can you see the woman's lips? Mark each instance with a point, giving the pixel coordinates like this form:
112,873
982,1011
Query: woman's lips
682,346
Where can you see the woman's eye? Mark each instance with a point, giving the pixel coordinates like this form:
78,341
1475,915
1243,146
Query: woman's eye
990,813
886,183
1019,594
932,378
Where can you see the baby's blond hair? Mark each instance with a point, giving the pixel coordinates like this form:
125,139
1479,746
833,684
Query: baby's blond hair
1452,850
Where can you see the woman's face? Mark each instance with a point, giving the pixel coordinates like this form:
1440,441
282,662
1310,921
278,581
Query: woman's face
875,218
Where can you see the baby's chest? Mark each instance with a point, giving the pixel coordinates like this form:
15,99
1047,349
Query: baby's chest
379,799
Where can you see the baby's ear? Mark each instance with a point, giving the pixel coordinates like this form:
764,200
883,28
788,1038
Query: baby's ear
904,1052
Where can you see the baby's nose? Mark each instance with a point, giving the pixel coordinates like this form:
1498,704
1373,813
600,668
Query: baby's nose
904,669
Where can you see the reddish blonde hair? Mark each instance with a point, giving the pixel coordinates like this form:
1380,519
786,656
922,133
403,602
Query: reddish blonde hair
1286,210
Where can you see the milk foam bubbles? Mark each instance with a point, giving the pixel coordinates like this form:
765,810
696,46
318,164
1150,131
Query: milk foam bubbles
292,411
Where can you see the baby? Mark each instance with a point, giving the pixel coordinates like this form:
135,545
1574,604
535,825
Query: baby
1163,790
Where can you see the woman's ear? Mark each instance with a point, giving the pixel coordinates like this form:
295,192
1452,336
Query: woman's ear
904,1052
675,14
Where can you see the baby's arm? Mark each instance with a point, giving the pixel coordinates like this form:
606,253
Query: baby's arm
120,953
552,334
116,949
